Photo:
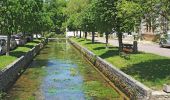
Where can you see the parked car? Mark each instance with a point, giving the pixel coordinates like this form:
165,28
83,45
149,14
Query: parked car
13,43
37,35
165,40
20,40
28,37
2,46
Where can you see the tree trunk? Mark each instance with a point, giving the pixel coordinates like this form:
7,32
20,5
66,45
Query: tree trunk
85,35
8,44
32,36
36,35
93,33
42,34
168,23
120,42
77,34
74,34
107,34
24,33
80,34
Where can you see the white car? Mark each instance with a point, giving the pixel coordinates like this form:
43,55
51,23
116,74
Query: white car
20,40
37,36
165,41
2,46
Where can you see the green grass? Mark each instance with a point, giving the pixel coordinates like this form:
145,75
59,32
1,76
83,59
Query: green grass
150,69
97,90
16,53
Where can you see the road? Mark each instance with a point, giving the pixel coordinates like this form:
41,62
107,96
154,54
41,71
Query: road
144,47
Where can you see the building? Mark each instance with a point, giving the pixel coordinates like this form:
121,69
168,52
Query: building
151,29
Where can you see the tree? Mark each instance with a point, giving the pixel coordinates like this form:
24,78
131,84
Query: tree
46,22
74,14
9,12
127,14
105,16
23,16
36,16
56,10
89,19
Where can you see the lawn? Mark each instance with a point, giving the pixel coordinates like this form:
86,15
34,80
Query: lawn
16,53
150,69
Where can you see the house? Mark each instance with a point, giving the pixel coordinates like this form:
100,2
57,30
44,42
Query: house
151,29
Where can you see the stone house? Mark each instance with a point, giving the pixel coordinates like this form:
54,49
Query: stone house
151,30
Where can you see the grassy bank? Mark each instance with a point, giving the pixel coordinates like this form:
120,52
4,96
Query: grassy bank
152,70
16,53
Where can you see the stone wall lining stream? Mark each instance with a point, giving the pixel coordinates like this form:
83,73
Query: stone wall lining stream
131,87
11,73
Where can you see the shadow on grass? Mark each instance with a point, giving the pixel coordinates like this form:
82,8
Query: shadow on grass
151,70
28,46
17,53
35,42
109,53
81,40
103,48
89,42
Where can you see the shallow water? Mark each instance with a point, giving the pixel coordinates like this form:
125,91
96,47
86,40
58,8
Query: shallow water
59,72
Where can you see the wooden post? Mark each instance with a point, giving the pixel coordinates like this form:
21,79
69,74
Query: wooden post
135,46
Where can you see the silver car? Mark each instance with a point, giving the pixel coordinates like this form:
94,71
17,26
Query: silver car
13,43
2,46
165,40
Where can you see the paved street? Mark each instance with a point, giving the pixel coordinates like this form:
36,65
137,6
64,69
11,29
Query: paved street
145,47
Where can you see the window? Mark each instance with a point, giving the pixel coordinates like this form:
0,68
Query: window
2,42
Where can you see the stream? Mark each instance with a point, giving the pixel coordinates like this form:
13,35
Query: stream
60,72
